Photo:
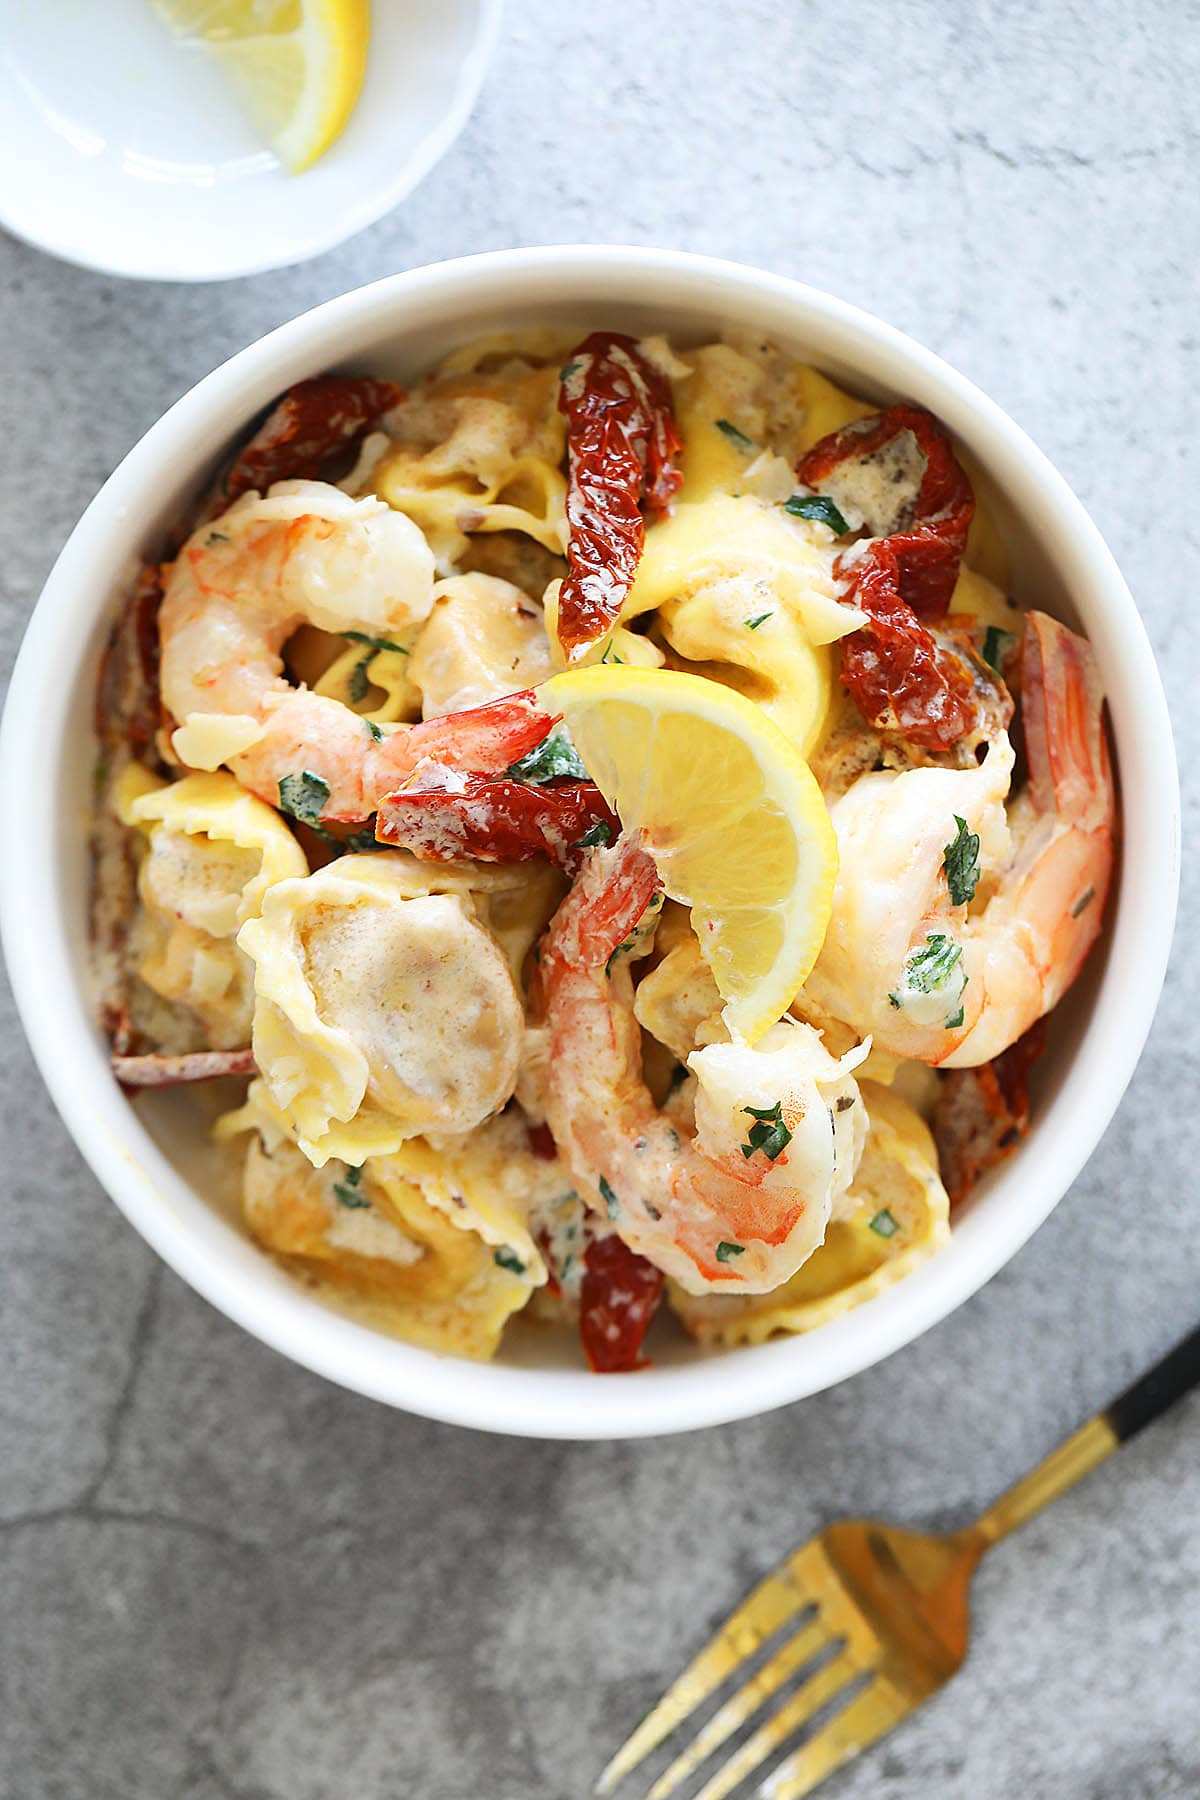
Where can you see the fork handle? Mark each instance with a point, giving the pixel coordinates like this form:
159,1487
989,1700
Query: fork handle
1078,1455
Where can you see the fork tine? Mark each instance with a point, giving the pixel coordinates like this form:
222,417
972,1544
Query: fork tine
799,1650
817,1691
870,1715
776,1600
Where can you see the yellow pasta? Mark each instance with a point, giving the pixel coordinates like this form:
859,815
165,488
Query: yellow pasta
213,852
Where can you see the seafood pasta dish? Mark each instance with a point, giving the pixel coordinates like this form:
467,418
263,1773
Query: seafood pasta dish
608,834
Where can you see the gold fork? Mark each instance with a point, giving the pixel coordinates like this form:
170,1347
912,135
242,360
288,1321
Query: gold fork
876,1615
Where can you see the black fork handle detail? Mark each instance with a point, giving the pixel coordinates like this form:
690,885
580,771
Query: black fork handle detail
1159,1388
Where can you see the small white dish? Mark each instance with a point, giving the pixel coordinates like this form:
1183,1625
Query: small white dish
124,150
157,1160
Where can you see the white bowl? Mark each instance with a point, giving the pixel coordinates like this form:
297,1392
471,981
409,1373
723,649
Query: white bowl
162,1177
124,150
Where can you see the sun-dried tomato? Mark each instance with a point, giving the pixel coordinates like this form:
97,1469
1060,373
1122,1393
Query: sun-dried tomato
983,1113
619,1297
900,676
902,679
307,426
128,709
621,439
444,814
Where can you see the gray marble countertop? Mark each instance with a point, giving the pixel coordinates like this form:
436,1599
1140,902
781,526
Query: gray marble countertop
224,1579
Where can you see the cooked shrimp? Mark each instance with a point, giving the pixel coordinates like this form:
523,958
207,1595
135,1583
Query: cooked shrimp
307,553
739,1205
954,978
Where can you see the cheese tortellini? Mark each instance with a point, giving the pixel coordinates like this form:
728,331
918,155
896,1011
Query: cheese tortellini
384,1005
213,852
370,1234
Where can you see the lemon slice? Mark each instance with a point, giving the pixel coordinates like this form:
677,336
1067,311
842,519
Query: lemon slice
730,813
297,65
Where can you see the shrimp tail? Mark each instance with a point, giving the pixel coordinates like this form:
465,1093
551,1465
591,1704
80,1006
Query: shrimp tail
613,891
485,739
1061,707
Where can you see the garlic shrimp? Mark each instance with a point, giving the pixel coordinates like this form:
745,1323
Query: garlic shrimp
962,915
740,1201
307,553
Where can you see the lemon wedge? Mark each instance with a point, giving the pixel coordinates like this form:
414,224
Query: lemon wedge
297,65
730,813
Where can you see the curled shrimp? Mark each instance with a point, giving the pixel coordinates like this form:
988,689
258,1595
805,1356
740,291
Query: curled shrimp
947,950
307,553
734,1203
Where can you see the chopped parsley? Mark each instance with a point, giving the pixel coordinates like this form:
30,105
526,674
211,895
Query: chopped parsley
610,1200
504,1258
358,683
608,655
1084,901
569,369
932,966
961,862
735,436
819,507
996,644
956,1019
376,643
884,1224
303,796
727,1252
347,1192
599,833
758,619
216,537
768,1133
556,755
373,731
357,841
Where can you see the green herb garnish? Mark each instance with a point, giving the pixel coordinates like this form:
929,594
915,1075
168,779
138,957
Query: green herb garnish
758,619
569,369
347,1191
768,1133
376,643
994,647
504,1258
357,841
373,731
932,966
608,655
727,1252
216,537
956,1019
734,435
1084,901
599,833
961,861
819,507
556,755
884,1223
303,796
610,1200
358,684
